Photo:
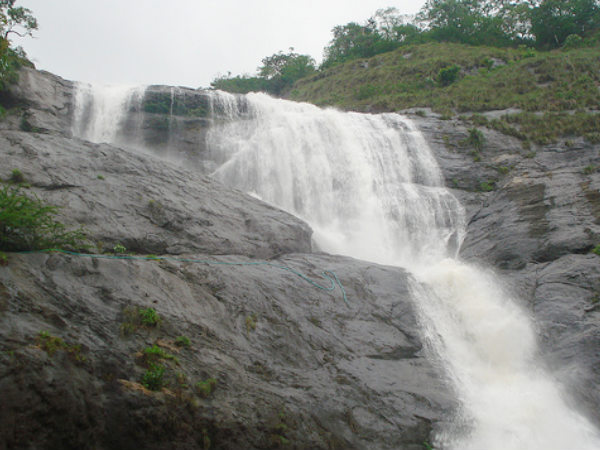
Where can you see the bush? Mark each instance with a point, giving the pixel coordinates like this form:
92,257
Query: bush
26,223
153,377
476,138
573,41
448,75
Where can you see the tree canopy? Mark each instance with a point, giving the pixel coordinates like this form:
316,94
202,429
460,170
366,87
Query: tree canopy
277,73
13,20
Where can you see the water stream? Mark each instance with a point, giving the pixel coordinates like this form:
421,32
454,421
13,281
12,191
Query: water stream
370,188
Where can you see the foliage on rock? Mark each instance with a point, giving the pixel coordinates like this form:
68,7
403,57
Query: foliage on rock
27,223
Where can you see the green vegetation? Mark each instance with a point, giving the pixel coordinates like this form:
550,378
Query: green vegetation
183,341
52,344
149,317
119,249
100,177
536,60
487,186
135,318
173,104
26,223
18,21
251,322
596,250
156,353
277,75
153,378
206,387
448,75
3,259
555,93
16,176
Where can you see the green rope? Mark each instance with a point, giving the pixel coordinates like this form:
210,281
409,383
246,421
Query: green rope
327,274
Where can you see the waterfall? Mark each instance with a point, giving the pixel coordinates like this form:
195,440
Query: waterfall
371,188
100,111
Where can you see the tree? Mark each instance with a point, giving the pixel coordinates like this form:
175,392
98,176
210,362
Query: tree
553,20
282,70
15,20
352,41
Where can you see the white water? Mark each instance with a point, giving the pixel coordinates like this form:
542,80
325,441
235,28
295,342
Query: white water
371,188
100,110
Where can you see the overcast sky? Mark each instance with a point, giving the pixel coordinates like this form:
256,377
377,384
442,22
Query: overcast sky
182,42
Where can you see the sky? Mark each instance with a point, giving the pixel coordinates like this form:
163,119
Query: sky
182,42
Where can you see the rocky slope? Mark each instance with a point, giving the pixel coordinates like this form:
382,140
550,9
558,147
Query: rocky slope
273,361
537,226
294,365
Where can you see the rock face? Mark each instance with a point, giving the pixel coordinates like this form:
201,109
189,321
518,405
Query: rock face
538,226
295,367
272,360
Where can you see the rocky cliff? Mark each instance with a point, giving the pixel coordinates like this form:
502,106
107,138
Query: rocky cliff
239,353
273,361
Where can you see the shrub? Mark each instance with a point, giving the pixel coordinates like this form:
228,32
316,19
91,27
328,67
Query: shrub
119,249
153,377
183,341
476,138
149,317
26,223
487,186
573,41
448,75
596,250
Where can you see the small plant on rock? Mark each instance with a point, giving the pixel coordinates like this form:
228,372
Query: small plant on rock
155,353
149,317
16,176
153,378
183,341
206,387
119,249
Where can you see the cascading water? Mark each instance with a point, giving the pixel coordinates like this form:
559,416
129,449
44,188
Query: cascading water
100,110
361,181
370,188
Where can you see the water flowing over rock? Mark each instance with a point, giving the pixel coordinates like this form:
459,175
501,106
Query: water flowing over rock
437,351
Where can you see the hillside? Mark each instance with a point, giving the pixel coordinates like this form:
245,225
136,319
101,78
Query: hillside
538,97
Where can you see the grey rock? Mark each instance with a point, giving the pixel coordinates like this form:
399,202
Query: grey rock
147,204
295,366
538,227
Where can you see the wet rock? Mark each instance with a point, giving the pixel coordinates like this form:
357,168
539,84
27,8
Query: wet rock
271,360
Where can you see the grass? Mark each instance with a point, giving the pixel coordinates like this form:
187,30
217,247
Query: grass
557,92
52,344
206,387
135,318
155,353
183,341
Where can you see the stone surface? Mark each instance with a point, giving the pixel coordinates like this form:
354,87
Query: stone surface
295,367
291,361
537,227
147,204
